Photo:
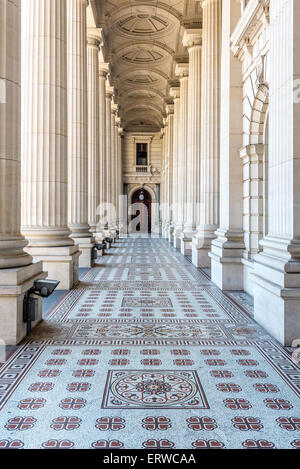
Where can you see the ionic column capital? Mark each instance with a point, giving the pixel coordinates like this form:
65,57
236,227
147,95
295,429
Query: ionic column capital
110,91
103,69
205,3
182,70
175,92
170,109
114,108
192,38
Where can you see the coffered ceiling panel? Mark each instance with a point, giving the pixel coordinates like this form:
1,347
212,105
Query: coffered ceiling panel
142,41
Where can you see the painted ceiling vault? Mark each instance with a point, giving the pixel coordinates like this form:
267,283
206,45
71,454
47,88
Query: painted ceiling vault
142,43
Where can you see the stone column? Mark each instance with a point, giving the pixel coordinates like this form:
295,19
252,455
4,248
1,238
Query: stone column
113,161
103,71
277,267
120,177
169,168
77,130
109,95
182,71
210,132
93,43
17,272
164,191
193,41
44,140
117,188
175,94
227,248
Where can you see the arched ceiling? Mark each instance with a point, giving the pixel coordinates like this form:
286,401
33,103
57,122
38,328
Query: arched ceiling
142,43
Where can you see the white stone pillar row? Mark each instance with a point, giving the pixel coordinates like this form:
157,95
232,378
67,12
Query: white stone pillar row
44,139
227,248
182,71
210,132
17,272
277,267
175,94
109,95
77,130
193,41
103,71
93,43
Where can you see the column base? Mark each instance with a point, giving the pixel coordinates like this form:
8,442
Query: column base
201,247
186,243
86,248
177,237
14,283
200,257
277,297
226,264
165,231
61,263
170,234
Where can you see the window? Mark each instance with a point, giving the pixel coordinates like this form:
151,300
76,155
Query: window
141,154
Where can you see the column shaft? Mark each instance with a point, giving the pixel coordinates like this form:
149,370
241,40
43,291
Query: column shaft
93,130
210,131
182,71
103,70
175,93
193,40
17,272
77,130
109,93
227,248
44,139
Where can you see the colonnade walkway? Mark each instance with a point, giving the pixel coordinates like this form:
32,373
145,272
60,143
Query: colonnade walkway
148,353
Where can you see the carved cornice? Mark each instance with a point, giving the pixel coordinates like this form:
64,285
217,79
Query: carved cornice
254,17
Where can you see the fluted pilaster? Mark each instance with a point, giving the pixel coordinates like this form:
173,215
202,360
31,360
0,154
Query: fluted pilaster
210,131
93,129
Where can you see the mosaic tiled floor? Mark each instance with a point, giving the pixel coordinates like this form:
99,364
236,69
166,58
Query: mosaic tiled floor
148,353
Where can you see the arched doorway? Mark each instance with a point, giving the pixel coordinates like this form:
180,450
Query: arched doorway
141,204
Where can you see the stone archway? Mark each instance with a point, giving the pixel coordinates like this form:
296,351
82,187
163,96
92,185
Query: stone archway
136,189
142,198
